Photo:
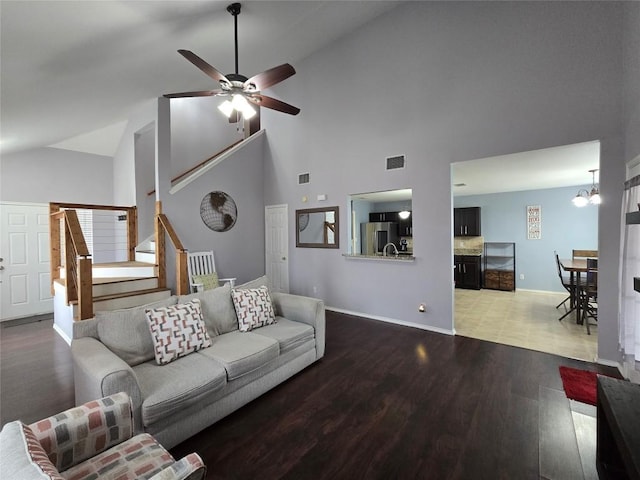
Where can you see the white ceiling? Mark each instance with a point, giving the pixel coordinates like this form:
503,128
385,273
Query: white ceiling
69,68
71,72
556,167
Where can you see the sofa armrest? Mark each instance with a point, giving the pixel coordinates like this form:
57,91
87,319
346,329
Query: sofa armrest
98,372
303,309
190,467
82,432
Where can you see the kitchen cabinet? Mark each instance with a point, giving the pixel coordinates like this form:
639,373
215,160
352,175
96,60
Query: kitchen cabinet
467,271
466,222
405,226
500,265
383,217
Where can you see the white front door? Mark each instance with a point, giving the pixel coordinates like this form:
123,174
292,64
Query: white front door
25,277
277,246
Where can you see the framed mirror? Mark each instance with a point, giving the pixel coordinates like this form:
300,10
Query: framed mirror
317,228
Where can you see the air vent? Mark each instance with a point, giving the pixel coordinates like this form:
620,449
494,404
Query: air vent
303,178
393,163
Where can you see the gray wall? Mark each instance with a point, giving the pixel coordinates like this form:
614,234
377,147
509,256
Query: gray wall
564,227
46,175
631,90
445,82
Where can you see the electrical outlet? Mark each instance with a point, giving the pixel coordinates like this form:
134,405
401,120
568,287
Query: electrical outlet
522,276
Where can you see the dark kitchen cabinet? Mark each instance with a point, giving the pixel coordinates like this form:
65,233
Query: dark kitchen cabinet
467,271
383,216
466,222
405,226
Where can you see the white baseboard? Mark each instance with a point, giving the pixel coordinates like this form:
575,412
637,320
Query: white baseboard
393,320
62,334
546,292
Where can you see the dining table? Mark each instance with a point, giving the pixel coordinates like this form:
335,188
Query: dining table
575,267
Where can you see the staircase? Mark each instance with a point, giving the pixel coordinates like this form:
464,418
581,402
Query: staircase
114,286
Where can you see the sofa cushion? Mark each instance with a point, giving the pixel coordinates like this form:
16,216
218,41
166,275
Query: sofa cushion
241,353
258,282
22,456
126,332
217,309
253,308
289,334
177,330
170,388
208,281
140,457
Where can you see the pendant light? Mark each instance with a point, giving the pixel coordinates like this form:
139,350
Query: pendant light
584,197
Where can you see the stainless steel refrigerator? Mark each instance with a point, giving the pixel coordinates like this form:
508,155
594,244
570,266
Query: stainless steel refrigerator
375,235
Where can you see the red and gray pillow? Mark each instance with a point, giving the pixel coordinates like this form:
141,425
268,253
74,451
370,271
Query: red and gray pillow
253,308
177,330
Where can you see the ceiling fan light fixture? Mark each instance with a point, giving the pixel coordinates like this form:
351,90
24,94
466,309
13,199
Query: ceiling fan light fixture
226,107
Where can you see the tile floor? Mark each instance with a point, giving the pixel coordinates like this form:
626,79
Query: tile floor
523,319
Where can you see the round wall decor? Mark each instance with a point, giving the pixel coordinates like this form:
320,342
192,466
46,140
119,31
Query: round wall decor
218,211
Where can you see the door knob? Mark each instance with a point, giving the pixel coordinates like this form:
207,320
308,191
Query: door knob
284,258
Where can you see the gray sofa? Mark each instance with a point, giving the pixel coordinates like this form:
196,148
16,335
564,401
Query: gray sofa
114,352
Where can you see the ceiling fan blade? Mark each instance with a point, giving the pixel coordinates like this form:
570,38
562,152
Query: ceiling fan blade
270,77
272,103
204,66
201,93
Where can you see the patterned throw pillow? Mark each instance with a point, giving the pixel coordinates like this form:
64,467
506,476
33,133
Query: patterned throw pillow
177,331
38,455
207,281
253,308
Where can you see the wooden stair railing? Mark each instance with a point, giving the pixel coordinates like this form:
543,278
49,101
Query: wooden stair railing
78,264
162,226
79,281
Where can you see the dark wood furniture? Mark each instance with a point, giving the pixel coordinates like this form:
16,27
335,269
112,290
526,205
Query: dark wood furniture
575,267
466,222
467,271
618,444
500,265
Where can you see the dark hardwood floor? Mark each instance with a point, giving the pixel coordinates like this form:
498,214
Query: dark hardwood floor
386,401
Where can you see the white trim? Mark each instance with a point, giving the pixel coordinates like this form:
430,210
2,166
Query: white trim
62,334
368,316
27,204
205,168
546,292
632,167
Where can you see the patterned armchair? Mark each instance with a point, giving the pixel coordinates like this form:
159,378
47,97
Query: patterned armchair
91,441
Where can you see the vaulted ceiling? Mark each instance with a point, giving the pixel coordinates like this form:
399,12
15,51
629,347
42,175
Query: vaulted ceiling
73,67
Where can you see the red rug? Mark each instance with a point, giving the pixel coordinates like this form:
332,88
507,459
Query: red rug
579,385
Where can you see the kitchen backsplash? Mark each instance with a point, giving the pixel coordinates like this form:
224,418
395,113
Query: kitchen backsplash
468,244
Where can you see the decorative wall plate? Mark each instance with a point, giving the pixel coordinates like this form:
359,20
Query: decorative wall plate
218,211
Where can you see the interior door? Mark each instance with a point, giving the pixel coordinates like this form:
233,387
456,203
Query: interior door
25,277
277,246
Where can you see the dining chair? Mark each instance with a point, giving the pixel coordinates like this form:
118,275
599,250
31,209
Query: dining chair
589,293
585,254
566,283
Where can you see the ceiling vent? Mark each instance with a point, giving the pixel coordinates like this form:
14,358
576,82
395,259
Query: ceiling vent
394,163
303,178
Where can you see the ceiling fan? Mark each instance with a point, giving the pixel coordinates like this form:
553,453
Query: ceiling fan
242,91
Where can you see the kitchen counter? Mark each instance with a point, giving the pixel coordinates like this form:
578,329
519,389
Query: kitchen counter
402,257
467,251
